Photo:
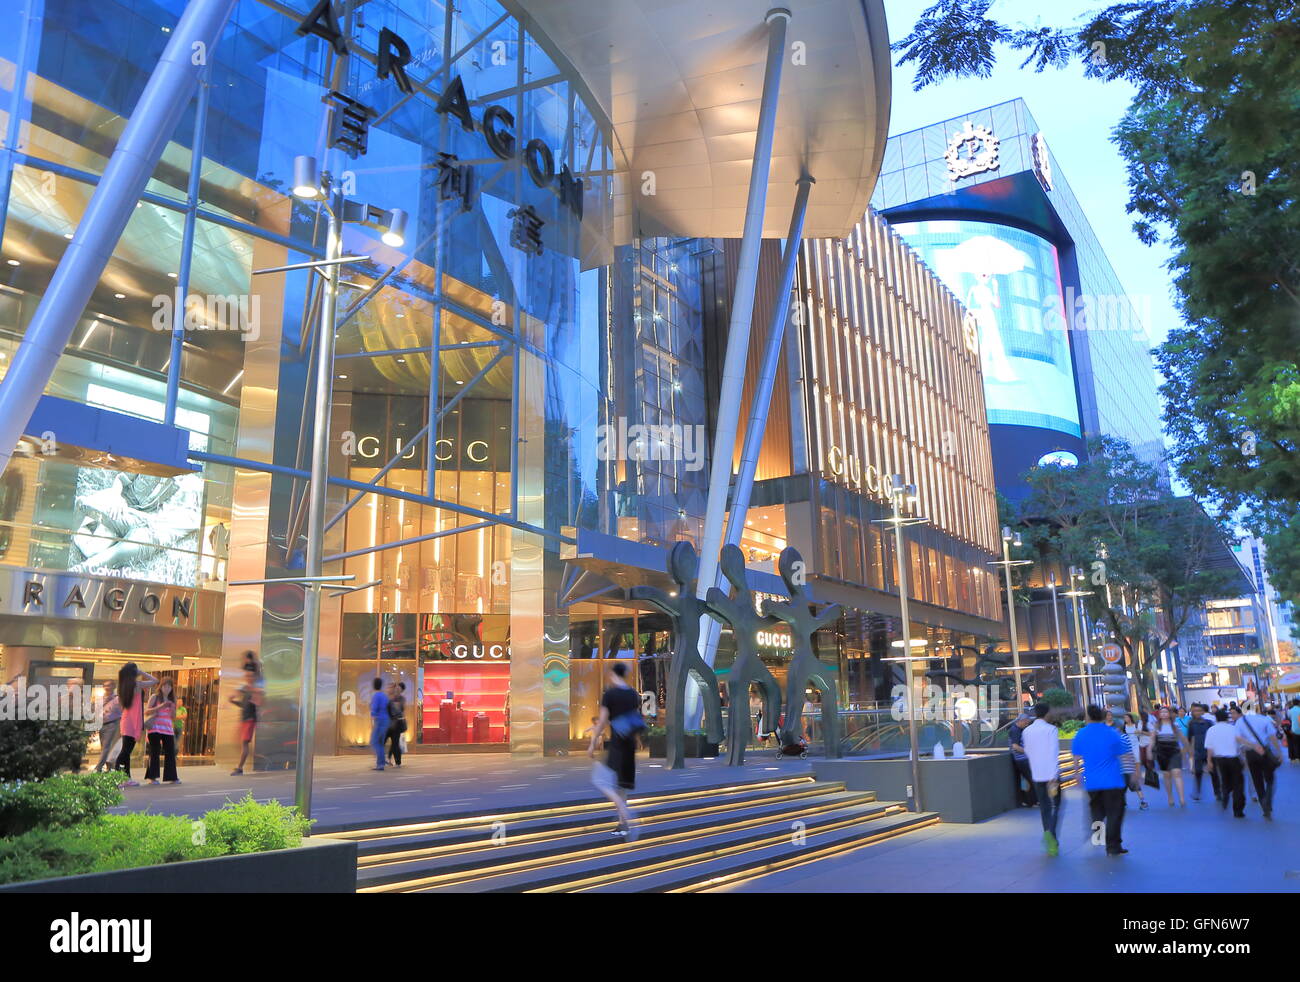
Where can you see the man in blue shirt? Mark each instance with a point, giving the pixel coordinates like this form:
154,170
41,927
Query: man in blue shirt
379,723
1100,751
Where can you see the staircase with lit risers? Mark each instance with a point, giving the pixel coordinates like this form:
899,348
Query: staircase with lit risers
689,840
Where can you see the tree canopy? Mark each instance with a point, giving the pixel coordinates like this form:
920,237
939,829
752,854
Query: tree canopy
1211,142
1150,558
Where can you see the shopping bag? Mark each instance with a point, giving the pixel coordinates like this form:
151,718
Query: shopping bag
1152,780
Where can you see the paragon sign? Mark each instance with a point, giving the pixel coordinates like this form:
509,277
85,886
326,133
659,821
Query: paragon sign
36,593
497,124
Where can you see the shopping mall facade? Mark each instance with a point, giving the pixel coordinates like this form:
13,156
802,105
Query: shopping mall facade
574,223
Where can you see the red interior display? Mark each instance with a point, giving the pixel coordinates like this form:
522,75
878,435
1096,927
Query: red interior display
475,712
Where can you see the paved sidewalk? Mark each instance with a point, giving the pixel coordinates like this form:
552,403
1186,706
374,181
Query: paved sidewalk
1193,849
347,791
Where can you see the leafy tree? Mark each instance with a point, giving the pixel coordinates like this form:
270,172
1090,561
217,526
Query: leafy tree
1149,556
1212,146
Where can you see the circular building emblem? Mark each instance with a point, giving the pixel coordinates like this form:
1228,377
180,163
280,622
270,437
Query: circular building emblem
971,150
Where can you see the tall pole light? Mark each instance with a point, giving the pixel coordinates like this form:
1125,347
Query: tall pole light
1056,623
1080,645
903,497
1008,540
311,185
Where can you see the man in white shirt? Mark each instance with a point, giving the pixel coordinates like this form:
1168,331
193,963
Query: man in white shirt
1223,754
1042,743
1263,753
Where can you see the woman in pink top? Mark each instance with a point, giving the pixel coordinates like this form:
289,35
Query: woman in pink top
130,682
161,724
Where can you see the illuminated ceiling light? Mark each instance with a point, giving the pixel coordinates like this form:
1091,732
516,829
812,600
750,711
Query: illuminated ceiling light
342,376
13,262
401,361
120,296
306,178
395,236
172,275
67,235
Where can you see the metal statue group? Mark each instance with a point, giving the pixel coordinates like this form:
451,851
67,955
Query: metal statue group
736,608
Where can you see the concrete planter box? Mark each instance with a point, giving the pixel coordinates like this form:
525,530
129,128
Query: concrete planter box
967,789
319,865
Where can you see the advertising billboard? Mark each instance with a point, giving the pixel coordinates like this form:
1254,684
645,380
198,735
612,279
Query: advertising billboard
1010,281
137,526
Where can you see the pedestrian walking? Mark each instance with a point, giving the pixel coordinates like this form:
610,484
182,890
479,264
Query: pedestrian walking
249,701
1025,795
379,722
1099,750
620,714
1223,745
1198,725
160,724
1170,745
1132,733
397,721
1042,743
108,733
1263,754
131,683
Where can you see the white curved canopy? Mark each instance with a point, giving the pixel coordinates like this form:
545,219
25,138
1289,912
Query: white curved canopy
681,80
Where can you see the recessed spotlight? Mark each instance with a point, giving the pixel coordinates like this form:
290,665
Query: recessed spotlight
172,275
120,296
13,262
401,361
67,235
342,376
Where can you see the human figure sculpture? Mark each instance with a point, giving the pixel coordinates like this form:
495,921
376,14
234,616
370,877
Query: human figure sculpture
738,610
805,667
685,609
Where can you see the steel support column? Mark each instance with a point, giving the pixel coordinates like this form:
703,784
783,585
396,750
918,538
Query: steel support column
761,400
742,312
165,96
316,503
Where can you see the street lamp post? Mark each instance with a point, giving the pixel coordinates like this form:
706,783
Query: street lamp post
900,495
1008,540
1080,642
313,186
1056,623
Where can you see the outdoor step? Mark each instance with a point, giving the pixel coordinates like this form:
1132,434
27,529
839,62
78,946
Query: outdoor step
711,872
473,818
601,861
547,854
553,826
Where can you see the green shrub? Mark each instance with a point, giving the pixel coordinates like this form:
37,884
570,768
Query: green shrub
1070,727
32,749
113,842
246,826
1058,698
108,843
62,800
